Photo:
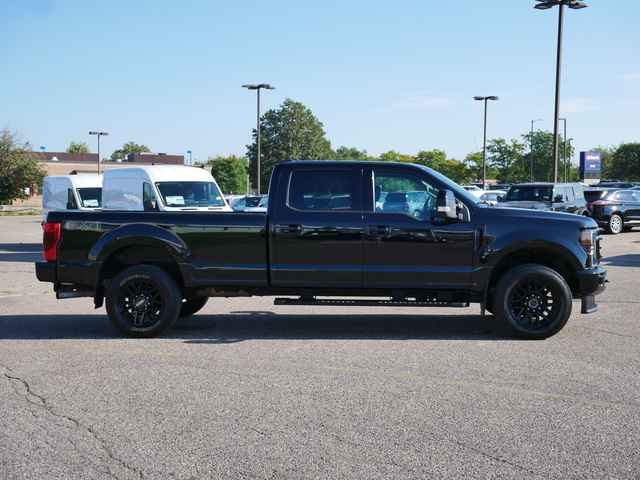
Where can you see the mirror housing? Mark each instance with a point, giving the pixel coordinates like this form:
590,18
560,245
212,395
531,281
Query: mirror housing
446,205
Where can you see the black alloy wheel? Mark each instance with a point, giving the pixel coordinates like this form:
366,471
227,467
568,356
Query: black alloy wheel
143,301
532,302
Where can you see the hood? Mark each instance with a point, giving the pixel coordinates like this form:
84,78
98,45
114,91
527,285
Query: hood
525,204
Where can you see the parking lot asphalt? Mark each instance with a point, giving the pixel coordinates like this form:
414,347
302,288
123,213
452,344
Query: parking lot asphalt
249,390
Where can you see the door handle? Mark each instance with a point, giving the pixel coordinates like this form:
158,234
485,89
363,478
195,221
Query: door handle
295,229
379,230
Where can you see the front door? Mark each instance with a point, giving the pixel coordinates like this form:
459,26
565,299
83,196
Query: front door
412,248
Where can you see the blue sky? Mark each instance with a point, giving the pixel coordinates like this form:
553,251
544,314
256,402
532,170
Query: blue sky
379,75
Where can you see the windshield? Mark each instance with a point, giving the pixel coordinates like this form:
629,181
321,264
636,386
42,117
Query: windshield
529,193
90,197
190,194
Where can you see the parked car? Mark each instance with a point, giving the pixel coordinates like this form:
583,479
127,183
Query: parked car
500,186
614,209
493,196
616,184
249,201
558,197
406,202
473,189
231,199
260,208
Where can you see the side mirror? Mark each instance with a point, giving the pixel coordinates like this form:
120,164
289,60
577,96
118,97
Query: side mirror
446,206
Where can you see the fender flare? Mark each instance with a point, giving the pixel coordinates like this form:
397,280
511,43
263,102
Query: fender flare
133,235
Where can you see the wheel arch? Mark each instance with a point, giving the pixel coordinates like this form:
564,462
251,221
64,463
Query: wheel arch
123,253
552,258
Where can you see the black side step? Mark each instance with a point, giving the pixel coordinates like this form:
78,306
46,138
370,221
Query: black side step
368,303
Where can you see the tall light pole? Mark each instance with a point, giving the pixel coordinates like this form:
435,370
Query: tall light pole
99,134
564,146
484,145
257,88
544,5
531,147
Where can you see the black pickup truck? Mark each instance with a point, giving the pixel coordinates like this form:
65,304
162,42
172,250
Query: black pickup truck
327,239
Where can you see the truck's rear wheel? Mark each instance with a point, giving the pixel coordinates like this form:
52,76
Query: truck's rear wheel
532,302
143,301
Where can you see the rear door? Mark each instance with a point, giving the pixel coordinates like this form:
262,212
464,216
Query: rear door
629,205
404,251
317,228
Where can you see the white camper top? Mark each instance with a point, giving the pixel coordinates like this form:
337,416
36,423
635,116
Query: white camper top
162,187
71,192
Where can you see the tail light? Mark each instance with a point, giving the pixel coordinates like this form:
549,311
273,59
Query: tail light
51,239
405,207
600,202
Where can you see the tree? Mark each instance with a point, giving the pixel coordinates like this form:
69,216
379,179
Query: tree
474,164
127,149
78,147
437,159
230,173
431,158
626,163
607,163
393,156
20,169
344,153
541,162
290,132
505,160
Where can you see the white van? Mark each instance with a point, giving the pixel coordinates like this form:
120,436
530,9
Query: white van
168,188
71,192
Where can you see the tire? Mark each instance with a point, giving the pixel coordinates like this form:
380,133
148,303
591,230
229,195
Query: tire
615,224
417,213
143,301
532,302
192,305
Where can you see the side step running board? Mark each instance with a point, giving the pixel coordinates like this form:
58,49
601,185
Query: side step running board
368,303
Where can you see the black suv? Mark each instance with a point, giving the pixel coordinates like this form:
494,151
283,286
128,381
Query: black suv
558,197
614,209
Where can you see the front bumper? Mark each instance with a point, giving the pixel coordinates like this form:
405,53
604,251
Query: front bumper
592,283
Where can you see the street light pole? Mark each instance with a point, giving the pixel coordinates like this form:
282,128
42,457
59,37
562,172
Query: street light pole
257,88
99,134
544,5
484,145
564,146
531,147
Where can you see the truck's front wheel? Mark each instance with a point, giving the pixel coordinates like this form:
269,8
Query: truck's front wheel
532,302
143,301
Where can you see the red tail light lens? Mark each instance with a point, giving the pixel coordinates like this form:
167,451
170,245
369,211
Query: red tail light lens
600,202
50,240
